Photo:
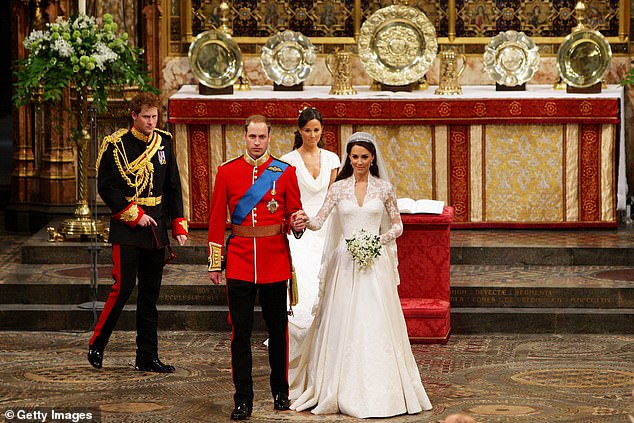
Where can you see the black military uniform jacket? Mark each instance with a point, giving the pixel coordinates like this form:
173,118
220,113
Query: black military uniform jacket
138,175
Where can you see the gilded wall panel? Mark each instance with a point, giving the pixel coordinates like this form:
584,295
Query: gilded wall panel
571,163
524,172
282,137
441,163
319,18
254,21
476,173
479,18
608,148
407,150
181,145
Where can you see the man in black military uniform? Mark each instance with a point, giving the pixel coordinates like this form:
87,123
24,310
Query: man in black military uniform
138,180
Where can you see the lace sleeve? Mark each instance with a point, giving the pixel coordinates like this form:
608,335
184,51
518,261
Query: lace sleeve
396,224
315,223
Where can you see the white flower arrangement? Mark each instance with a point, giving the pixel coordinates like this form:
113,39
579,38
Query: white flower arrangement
364,247
78,52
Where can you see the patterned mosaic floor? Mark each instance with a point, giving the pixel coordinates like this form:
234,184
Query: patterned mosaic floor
525,378
495,378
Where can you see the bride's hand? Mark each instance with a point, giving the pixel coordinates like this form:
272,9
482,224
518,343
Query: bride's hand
298,220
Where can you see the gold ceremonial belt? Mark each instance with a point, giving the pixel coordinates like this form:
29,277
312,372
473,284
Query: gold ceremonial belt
147,201
256,231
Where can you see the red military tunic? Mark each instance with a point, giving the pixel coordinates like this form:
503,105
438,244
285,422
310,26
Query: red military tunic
263,259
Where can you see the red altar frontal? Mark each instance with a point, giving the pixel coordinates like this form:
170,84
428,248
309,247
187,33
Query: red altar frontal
538,158
424,259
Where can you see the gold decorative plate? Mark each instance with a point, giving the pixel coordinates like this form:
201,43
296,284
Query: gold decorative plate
215,59
288,58
397,45
583,58
511,58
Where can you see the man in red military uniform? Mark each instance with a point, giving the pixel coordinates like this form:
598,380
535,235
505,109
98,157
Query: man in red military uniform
138,180
262,195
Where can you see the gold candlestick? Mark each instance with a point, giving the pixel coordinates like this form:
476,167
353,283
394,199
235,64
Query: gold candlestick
225,13
81,225
580,15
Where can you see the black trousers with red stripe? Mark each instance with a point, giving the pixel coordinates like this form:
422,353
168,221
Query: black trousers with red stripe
241,296
128,264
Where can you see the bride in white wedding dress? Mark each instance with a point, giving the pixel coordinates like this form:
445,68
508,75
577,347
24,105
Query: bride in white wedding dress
316,170
356,358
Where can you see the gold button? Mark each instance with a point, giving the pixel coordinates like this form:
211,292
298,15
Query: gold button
255,221
255,215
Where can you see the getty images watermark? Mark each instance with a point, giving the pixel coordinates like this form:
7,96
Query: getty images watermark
55,415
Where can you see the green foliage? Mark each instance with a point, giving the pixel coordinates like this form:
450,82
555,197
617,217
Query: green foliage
78,53
629,77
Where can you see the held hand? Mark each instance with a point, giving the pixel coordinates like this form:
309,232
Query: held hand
181,239
146,220
301,215
215,277
298,220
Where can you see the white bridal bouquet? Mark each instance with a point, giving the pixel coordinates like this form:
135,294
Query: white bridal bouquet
364,247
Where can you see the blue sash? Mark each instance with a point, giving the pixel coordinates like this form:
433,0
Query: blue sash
259,188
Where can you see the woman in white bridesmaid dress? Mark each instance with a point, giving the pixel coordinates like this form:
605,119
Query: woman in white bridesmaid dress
316,170
356,358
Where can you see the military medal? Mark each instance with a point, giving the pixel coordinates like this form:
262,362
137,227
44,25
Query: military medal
272,205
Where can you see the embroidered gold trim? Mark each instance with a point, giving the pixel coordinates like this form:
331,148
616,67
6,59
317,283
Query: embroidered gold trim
139,135
215,257
147,201
131,214
184,225
141,169
256,162
163,131
113,138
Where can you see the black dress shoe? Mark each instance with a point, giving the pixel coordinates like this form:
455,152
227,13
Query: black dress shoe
281,402
154,365
241,412
95,357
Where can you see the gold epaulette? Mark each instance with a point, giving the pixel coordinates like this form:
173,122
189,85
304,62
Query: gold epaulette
163,131
231,160
113,138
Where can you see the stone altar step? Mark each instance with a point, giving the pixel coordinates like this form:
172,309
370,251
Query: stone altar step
536,299
43,252
72,317
468,247
39,251
471,286
549,255
485,298
464,320
510,281
482,320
